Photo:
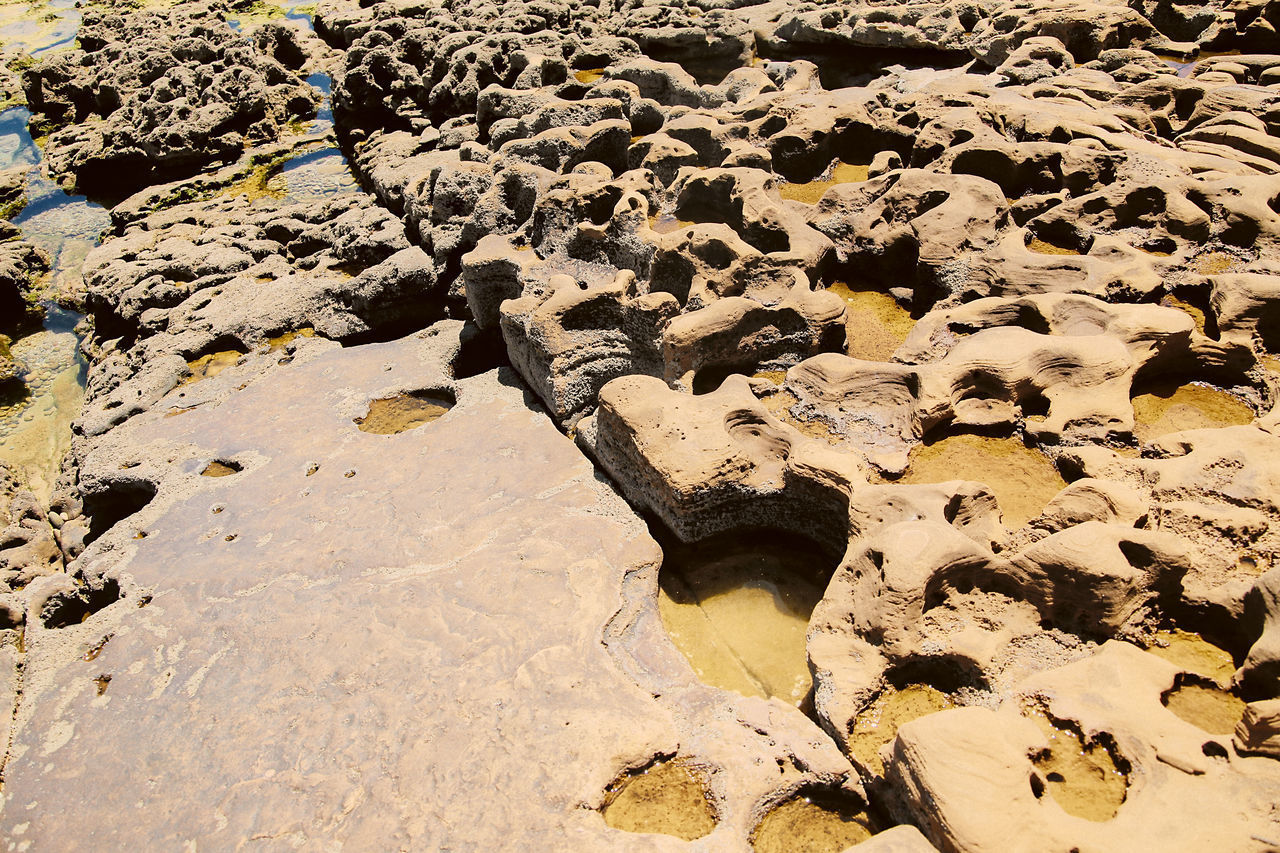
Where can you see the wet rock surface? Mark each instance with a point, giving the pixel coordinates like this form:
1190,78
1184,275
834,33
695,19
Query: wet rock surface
702,425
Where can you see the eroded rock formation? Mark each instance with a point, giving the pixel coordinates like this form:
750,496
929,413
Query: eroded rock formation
976,305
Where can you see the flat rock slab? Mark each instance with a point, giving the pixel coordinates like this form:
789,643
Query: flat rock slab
406,657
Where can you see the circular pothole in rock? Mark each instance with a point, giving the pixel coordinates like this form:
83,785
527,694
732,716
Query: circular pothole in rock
669,797
403,412
208,366
1170,405
737,606
1057,241
876,323
878,724
1022,478
812,821
1193,653
1204,705
709,379
811,192
1044,247
1087,778
73,607
275,343
665,223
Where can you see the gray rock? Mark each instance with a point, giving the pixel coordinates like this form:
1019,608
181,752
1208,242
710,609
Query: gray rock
152,95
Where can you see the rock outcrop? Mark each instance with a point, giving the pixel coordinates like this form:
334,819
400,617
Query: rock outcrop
926,355
149,95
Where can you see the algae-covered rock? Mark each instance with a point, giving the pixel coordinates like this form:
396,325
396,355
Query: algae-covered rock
21,266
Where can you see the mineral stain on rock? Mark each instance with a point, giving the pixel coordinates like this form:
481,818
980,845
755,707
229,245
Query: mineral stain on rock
264,181
1083,777
1023,479
737,606
1215,263
811,822
780,404
392,415
667,797
1207,706
893,708
665,223
96,649
1170,405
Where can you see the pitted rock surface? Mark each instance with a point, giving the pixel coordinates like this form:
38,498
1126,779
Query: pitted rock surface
980,300
148,94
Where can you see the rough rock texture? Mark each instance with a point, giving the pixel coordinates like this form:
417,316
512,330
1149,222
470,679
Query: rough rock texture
980,300
21,264
148,94
28,548
1185,789
224,275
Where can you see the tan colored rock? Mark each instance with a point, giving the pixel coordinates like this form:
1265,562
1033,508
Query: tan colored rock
28,546
1261,669
448,631
1247,307
1202,485
740,333
983,377
718,461
349,635
1088,499
1034,59
921,592
570,340
969,776
1259,729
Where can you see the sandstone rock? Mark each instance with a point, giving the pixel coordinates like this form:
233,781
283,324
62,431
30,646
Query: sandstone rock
21,264
219,276
1258,729
1035,59
727,462
923,596
558,542
1261,670
1112,699
1198,486
770,265
28,548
